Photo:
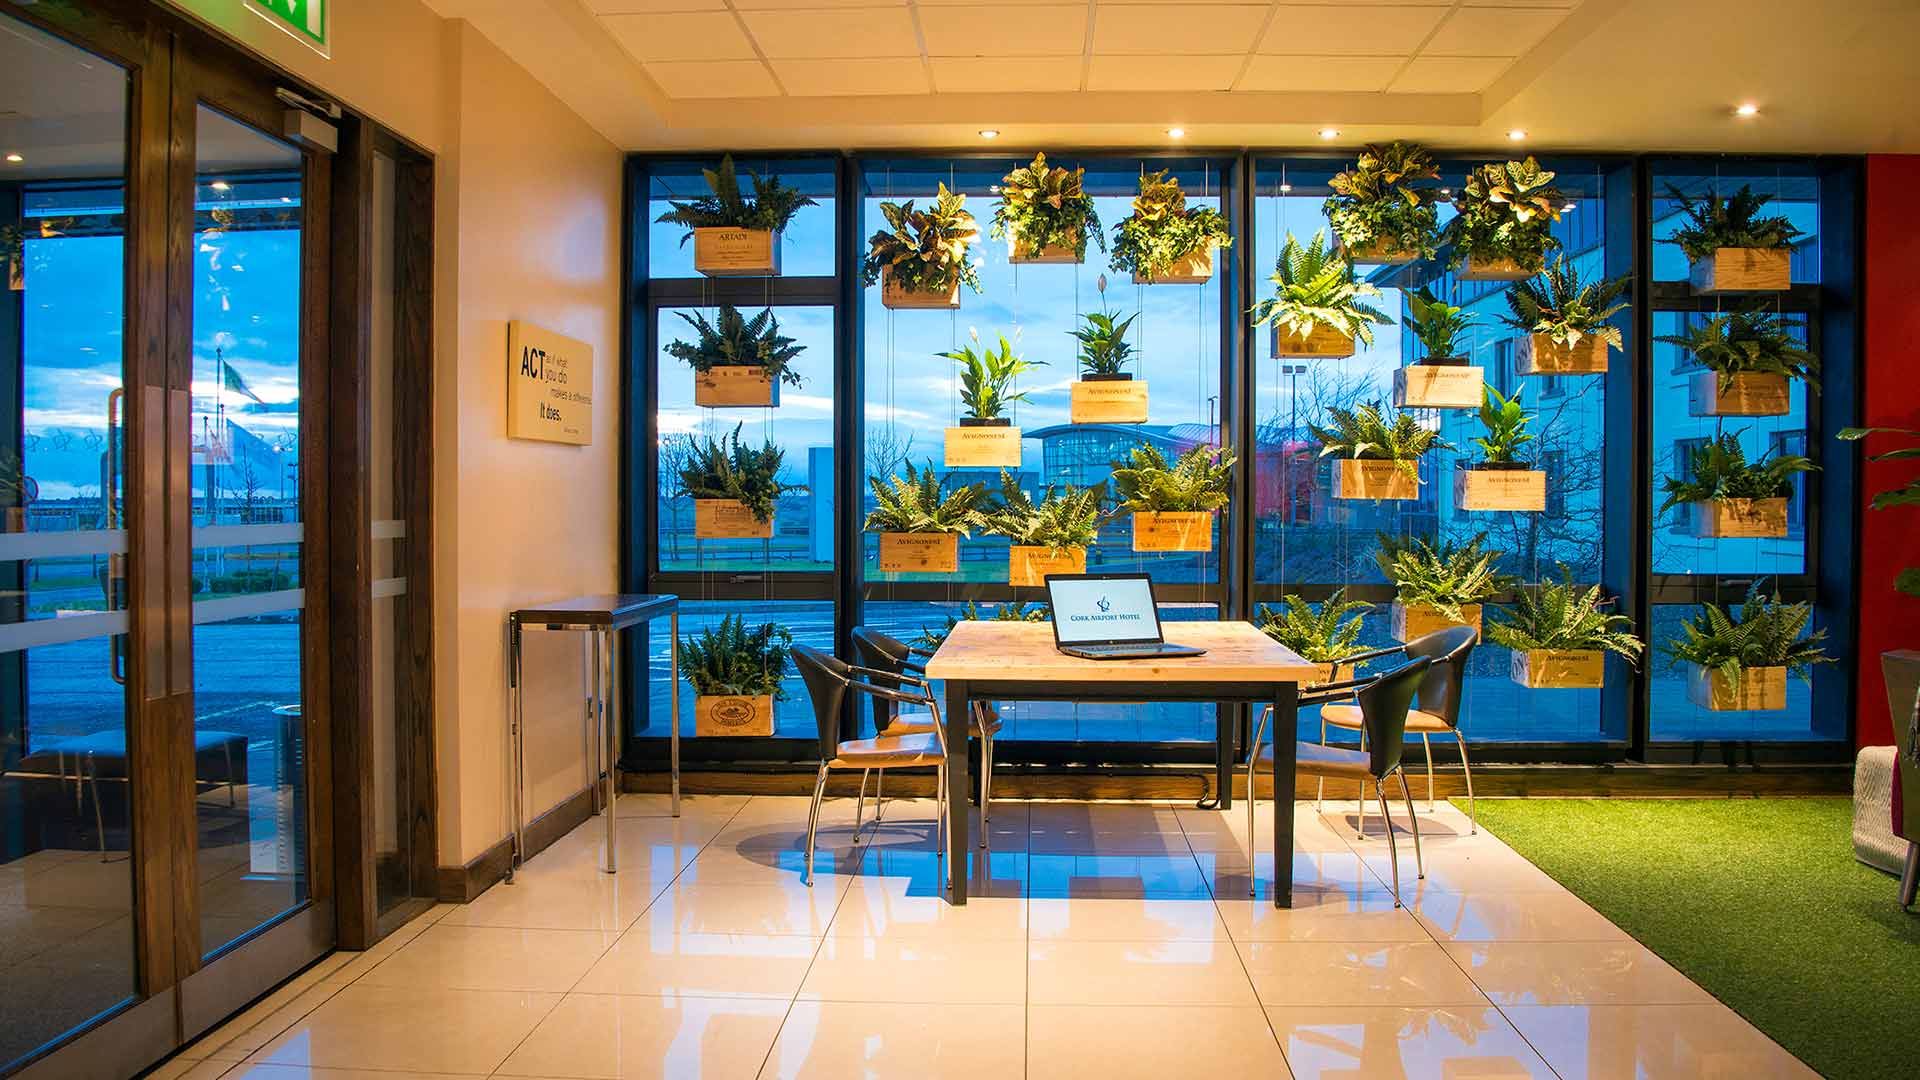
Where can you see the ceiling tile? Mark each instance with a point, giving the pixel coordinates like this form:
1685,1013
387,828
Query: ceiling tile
1163,72
1192,29
1005,30
1320,73
1033,74
697,36
833,78
1329,30
1492,31
1450,74
629,7
713,78
821,35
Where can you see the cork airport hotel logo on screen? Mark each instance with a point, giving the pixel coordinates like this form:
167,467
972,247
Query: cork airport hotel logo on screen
1106,614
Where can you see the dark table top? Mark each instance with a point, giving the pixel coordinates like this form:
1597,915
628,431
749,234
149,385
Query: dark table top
615,611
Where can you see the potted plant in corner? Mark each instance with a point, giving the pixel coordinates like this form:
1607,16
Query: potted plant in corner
1501,480
1045,215
1379,459
1164,241
737,362
733,487
1105,392
1565,321
1560,636
1325,637
920,258
1317,309
1731,497
1438,585
734,235
1730,247
1504,227
1741,661
1444,378
1383,209
1748,356
986,436
1050,536
920,522
1173,504
737,674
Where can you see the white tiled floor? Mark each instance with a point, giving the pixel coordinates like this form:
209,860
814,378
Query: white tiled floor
1103,940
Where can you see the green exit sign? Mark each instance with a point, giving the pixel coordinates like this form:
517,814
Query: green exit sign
306,19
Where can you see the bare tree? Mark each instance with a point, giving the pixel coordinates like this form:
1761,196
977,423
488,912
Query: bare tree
889,447
676,451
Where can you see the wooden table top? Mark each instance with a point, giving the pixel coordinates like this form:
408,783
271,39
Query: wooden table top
991,650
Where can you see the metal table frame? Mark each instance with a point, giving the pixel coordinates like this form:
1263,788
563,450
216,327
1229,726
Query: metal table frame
600,619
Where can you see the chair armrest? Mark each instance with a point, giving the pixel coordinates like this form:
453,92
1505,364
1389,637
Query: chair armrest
890,695
890,676
915,650
1374,654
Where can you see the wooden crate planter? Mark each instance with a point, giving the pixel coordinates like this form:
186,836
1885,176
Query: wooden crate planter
1194,268
729,714
728,519
1560,669
1029,564
1108,400
919,553
1439,386
1539,354
1740,519
1173,530
1355,478
977,446
1756,690
1733,270
1747,393
1022,252
1412,621
1500,489
1323,342
904,299
1479,268
734,386
1380,251
1331,673
729,252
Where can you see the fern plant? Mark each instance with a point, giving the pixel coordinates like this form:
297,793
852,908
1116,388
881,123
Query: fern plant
1442,576
924,250
1437,324
1558,304
1197,480
1316,287
1065,517
732,661
1765,633
1319,636
1506,211
921,503
986,377
1365,434
1044,206
1007,612
1907,494
1559,616
1163,229
1506,424
729,469
733,340
1104,348
1747,343
1714,221
1387,199
771,207
1721,471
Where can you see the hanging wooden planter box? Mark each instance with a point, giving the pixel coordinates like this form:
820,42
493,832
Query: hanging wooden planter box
735,386
1029,564
1355,478
1322,341
1412,621
1379,251
1193,268
899,298
1539,354
1479,268
1439,386
1173,530
1733,269
971,446
728,519
1022,252
919,553
732,715
728,252
1108,400
1560,669
1740,519
1500,489
1756,689
1746,393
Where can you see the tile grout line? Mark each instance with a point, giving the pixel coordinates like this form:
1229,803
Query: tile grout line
1213,894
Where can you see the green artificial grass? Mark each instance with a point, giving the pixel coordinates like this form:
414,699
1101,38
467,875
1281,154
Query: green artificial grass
1759,901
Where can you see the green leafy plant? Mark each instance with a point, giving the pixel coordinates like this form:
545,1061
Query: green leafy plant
1561,616
1747,343
1365,434
1506,423
771,207
1506,211
1007,612
986,376
1163,229
1387,198
1325,635
1732,221
1437,324
1765,633
924,250
1065,517
732,661
1441,576
733,340
1558,304
1907,494
1104,348
1721,471
1044,206
921,503
729,469
1197,480
1314,286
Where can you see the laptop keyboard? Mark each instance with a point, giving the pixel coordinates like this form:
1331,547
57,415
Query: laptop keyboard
1107,650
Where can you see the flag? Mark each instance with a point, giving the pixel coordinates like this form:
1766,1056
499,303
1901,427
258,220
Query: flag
231,380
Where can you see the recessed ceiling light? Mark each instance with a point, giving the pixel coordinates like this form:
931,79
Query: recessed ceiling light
1446,191
1329,133
220,185
1517,134
1284,188
14,159
1176,133
989,133
1567,209
1747,109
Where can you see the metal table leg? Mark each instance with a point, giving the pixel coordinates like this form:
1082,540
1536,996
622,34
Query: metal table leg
611,742
516,766
1225,720
957,784
1286,733
673,710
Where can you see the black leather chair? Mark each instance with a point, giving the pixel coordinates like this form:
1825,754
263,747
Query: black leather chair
888,653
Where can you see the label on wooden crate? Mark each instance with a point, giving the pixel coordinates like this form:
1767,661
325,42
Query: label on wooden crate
1439,386
1194,268
1029,564
1539,354
1379,251
732,715
1108,401
1176,530
724,252
1500,489
1354,478
1412,621
919,553
1744,393
897,297
735,386
983,447
1320,341
1560,669
1479,268
1755,689
1740,519
1022,252
728,519
1731,269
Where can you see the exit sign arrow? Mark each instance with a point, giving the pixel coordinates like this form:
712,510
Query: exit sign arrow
305,19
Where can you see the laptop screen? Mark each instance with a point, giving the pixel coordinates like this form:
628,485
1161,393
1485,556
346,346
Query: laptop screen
1094,609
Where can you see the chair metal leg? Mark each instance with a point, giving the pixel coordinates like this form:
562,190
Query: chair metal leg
813,821
940,814
986,781
1909,879
1253,758
1473,823
99,818
1428,743
1419,861
860,804
1360,826
1320,783
227,749
1393,850
879,803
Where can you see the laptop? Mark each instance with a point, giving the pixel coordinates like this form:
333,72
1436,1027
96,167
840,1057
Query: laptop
1108,617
